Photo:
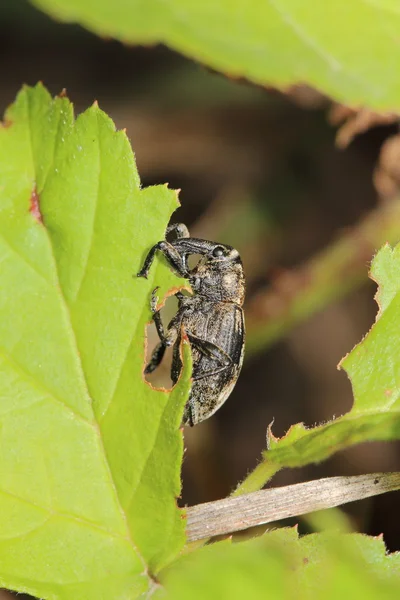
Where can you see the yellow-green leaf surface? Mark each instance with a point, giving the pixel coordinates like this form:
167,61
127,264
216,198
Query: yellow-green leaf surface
347,48
279,566
374,370
89,453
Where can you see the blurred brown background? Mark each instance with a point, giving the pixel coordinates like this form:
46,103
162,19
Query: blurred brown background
258,170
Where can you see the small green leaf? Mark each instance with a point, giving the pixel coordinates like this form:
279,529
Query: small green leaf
347,49
278,565
89,453
254,569
374,369
374,365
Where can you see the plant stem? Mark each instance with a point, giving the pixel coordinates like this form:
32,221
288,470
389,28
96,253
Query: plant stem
249,510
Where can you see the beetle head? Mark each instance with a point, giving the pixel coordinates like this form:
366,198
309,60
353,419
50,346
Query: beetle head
219,274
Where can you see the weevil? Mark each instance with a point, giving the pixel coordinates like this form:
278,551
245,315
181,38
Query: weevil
212,318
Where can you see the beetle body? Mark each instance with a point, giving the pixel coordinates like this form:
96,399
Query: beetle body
212,319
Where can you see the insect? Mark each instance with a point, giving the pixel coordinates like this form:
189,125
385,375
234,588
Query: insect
212,318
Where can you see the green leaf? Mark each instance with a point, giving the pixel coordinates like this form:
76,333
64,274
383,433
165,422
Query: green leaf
278,565
374,369
347,49
90,453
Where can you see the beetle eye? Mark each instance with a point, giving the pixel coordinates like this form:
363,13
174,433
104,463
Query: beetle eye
218,251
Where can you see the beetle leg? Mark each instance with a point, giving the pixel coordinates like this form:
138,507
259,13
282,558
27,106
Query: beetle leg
188,415
166,339
169,338
181,230
210,372
157,317
175,259
210,350
213,352
156,358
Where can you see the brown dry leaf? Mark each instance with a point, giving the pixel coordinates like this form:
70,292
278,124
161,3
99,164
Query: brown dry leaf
357,121
306,96
387,173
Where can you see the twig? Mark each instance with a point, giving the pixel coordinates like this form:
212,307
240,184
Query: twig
235,514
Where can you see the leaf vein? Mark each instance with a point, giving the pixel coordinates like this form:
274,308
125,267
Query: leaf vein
40,386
